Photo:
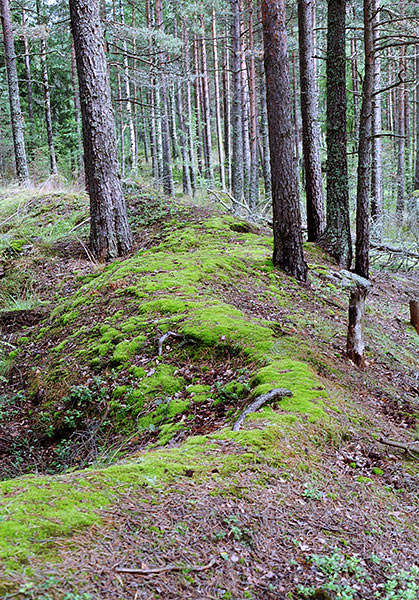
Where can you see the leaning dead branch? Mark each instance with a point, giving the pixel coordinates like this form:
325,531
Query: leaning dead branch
165,337
258,218
261,401
145,572
412,449
393,250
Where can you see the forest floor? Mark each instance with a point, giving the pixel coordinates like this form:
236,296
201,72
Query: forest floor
120,385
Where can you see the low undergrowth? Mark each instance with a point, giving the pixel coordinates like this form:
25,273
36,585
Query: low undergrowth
136,371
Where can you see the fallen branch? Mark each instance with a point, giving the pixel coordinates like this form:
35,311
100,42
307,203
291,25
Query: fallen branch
413,450
165,337
79,225
259,402
145,572
392,250
252,215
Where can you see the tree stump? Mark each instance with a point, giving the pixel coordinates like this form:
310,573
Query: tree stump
414,314
355,345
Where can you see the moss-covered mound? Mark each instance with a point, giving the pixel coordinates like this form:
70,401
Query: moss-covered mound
121,344
150,360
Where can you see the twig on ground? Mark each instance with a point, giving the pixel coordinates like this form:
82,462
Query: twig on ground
157,570
259,402
164,338
80,225
87,251
411,449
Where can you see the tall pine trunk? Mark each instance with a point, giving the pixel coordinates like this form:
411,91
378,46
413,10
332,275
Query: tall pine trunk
401,146
237,173
127,91
337,236
167,175
227,114
22,170
206,109
311,132
47,97
288,243
416,182
254,138
218,101
110,235
364,149
29,86
377,144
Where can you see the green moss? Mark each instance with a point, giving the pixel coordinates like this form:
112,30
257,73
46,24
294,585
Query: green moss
198,388
168,431
109,334
138,372
198,398
69,317
60,346
125,350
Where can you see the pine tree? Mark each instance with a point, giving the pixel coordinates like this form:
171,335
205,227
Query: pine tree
110,235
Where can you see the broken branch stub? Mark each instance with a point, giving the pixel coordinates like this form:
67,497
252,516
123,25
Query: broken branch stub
274,394
414,314
355,344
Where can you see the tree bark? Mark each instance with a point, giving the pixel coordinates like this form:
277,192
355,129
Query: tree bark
237,173
266,159
416,182
110,235
401,146
29,86
254,162
153,121
187,101
355,345
288,244
206,109
377,144
218,100
414,314
197,107
22,170
227,115
167,175
77,109
311,133
127,91
47,97
336,239
364,149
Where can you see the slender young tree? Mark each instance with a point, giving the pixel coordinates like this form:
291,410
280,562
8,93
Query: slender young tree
237,172
47,97
167,173
416,182
22,170
311,134
401,144
217,99
254,138
288,242
364,149
337,236
28,74
110,235
376,142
